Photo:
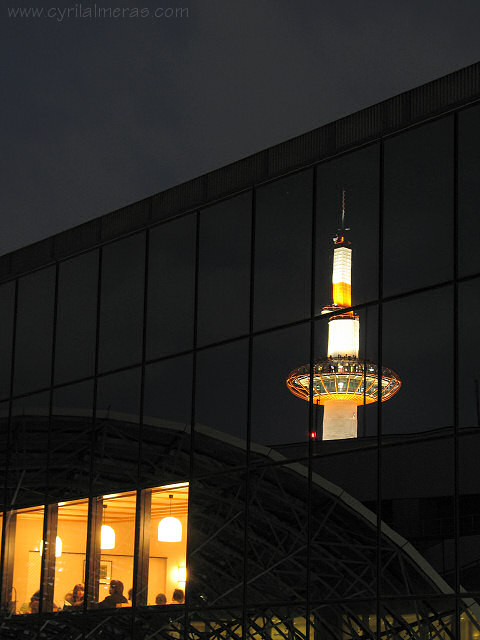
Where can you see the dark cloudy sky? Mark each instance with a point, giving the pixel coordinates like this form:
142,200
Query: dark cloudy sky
102,112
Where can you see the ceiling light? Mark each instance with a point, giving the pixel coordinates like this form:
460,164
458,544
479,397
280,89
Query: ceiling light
170,528
107,535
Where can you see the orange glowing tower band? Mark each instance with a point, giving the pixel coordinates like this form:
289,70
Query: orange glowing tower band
342,381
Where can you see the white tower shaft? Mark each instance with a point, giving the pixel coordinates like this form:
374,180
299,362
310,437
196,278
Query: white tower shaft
340,416
343,337
339,420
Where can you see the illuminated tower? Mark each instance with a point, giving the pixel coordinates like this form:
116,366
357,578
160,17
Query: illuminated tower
342,381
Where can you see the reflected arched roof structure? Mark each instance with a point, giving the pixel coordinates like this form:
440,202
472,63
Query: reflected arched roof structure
336,555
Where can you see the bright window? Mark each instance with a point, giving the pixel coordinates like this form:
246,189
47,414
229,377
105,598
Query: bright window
27,527
167,560
70,564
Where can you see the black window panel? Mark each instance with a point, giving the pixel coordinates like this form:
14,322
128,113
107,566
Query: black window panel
71,441
216,539
121,306
279,417
227,619
418,207
418,345
277,535
148,621
116,441
7,303
224,270
469,354
28,450
432,617
469,510
66,626
351,465
33,347
335,620
221,406
418,481
468,190
76,318
283,230
19,626
114,623
165,453
3,453
171,287
358,175
343,534
285,620
469,442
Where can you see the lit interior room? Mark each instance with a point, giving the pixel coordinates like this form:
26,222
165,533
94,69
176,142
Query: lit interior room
164,535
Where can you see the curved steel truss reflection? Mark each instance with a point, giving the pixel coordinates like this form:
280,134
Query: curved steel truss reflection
318,543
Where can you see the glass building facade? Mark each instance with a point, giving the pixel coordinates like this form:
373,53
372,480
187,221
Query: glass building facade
143,367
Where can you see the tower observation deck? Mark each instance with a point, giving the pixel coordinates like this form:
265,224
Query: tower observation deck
342,380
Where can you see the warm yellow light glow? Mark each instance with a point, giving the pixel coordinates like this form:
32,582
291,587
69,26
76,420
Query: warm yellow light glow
342,277
111,495
342,294
182,574
107,537
344,336
58,547
179,485
170,530
342,265
338,382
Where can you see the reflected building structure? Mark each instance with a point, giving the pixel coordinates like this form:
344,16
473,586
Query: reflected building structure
144,355
341,381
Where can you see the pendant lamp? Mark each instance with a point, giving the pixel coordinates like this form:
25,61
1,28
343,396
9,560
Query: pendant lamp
170,528
107,535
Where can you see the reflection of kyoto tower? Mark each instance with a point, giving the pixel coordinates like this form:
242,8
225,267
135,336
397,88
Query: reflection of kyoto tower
341,381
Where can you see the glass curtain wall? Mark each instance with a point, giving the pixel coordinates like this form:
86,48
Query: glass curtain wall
147,380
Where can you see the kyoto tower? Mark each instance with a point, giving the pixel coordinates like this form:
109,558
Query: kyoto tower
342,381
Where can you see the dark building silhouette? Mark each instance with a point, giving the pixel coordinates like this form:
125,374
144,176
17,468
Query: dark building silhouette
151,443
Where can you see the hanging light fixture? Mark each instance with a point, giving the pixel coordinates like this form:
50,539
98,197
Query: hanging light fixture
107,535
58,547
170,528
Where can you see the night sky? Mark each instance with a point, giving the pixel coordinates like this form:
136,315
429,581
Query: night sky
102,112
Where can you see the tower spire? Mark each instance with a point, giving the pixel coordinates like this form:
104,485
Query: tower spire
340,237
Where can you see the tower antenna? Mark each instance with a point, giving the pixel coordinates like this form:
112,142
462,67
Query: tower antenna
343,227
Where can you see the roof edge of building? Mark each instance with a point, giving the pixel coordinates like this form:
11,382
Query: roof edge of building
433,99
